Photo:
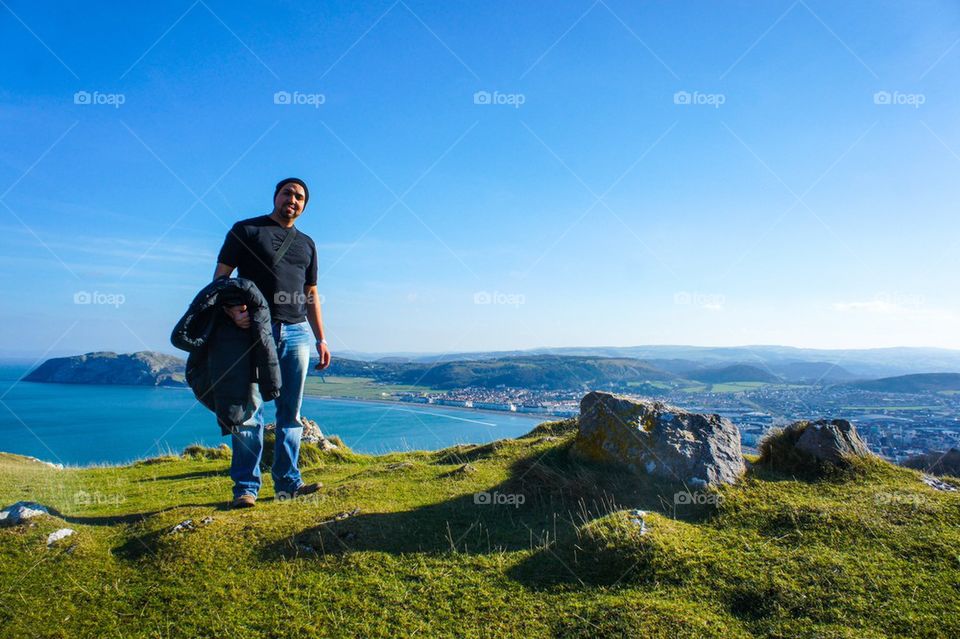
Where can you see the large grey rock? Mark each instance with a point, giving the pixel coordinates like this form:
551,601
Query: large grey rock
831,441
659,439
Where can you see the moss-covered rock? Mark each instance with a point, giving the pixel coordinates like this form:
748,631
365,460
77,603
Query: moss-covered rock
657,439
812,448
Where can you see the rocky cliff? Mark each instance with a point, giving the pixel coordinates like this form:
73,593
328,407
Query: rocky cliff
143,368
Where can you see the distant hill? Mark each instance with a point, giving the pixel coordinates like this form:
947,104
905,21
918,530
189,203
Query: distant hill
549,372
812,372
863,363
919,383
544,372
735,373
144,368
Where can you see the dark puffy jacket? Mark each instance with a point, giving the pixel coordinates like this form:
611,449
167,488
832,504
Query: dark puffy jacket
224,359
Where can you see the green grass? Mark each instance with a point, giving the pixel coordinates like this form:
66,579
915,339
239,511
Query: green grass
356,388
872,554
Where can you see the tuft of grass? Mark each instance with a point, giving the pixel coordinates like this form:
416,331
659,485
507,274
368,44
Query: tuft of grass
198,451
311,455
555,428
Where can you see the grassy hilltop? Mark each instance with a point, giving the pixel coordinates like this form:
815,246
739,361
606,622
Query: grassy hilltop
396,545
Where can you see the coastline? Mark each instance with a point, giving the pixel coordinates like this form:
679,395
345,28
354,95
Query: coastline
367,400
340,412
542,417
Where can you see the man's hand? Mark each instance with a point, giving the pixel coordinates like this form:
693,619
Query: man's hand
239,315
324,354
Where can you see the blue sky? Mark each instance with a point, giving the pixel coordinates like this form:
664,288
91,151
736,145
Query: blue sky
711,173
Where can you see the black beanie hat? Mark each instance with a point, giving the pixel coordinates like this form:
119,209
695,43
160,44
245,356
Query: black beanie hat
306,191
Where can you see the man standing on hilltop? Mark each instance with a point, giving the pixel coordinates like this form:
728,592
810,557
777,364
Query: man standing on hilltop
282,261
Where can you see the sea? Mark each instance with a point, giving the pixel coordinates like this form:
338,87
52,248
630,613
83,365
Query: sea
78,424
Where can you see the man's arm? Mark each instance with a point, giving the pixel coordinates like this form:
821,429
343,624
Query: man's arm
237,313
315,317
222,269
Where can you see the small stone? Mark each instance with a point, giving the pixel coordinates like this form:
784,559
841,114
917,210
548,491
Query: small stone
462,471
346,514
206,520
326,444
57,535
20,512
938,484
637,518
183,526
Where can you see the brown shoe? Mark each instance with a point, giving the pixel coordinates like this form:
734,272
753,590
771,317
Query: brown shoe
307,489
244,501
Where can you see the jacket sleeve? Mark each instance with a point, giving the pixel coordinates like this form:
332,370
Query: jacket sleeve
267,362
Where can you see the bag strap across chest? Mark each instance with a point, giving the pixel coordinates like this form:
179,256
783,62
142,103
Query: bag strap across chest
287,242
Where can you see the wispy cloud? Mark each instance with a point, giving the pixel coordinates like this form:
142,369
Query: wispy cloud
888,307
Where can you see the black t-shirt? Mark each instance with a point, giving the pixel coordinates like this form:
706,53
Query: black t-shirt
251,245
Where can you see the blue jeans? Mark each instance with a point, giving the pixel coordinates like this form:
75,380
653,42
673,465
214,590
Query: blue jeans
294,343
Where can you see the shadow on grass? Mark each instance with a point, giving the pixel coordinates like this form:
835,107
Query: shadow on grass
197,474
544,502
129,518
